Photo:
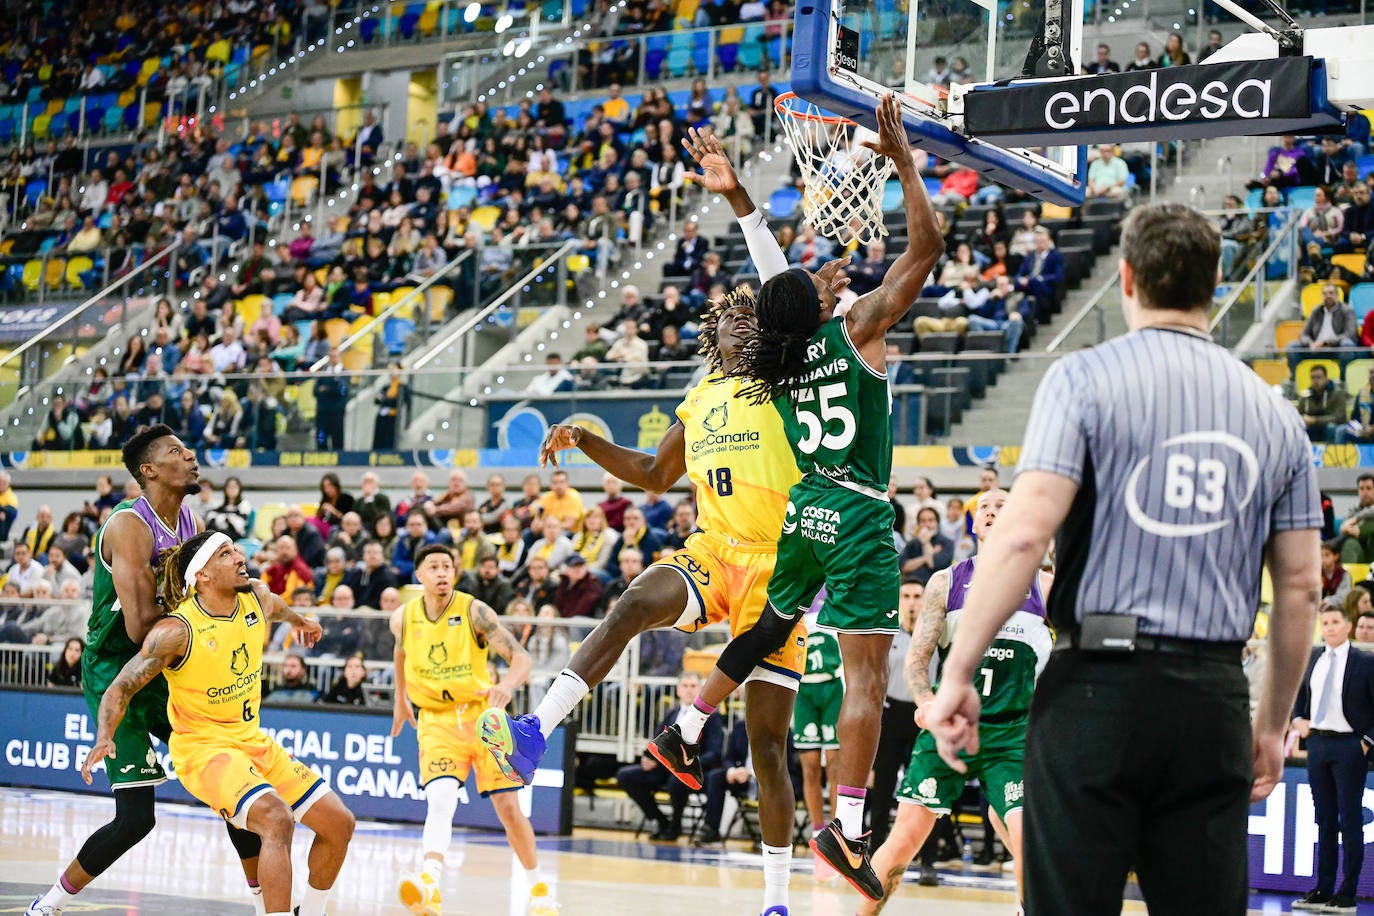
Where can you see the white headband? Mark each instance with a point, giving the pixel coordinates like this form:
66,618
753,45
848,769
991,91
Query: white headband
207,550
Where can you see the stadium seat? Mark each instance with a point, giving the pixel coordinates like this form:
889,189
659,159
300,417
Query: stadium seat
1311,297
783,202
1273,371
40,127
1302,376
1365,164
395,332
439,297
1255,199
751,48
55,272
337,329
1286,332
32,277
1301,198
679,60
303,189
461,196
1362,299
485,217
1351,262
267,513
75,268
1358,571
250,309
892,196
1357,374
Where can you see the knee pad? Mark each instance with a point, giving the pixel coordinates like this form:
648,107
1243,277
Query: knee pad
247,845
745,651
441,796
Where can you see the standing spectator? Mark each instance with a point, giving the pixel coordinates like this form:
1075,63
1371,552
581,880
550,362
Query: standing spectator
761,101
331,399
392,399
9,506
1335,713
1322,406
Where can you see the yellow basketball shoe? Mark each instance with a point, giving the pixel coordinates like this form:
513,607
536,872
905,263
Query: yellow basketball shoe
541,901
420,893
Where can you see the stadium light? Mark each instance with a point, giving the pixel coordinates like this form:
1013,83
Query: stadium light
472,12
505,22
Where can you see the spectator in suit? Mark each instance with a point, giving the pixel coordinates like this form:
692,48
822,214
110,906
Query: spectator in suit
331,397
898,734
1041,273
1103,63
734,775
761,101
1358,221
371,501
1335,713
641,780
900,373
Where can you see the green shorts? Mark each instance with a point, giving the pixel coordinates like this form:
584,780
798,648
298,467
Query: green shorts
835,537
816,715
134,763
930,782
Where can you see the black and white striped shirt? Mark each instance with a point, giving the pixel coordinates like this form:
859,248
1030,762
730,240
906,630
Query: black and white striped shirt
1186,463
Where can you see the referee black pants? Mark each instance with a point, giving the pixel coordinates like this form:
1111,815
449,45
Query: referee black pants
1139,761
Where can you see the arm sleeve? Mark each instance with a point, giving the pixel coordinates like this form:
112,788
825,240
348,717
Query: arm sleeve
764,249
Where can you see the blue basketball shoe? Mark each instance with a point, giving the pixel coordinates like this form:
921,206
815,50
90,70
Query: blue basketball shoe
517,744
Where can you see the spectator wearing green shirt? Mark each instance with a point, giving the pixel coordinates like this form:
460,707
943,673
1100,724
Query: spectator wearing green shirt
1107,176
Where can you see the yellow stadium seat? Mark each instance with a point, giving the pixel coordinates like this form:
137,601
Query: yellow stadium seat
337,329
1286,332
1273,371
578,263
485,218
1358,571
33,275
305,400
303,188
1351,262
1302,376
355,359
409,310
219,52
40,127
75,267
56,106
1311,297
127,98
439,298
57,269
7,246
411,592
1266,586
381,302
262,524
321,273
429,22
308,508
1357,374
252,307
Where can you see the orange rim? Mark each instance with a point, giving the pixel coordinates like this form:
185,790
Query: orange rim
781,103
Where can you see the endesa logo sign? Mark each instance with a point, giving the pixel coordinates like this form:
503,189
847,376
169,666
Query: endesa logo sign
1283,837
1178,102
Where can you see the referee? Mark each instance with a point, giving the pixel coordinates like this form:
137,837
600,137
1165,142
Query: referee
1171,471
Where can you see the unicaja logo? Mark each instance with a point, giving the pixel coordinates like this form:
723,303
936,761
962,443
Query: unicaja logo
1176,100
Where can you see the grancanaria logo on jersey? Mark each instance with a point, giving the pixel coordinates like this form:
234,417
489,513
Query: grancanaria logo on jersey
716,420
238,662
438,654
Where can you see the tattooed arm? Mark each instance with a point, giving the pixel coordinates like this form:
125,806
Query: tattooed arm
166,644
925,636
306,630
488,628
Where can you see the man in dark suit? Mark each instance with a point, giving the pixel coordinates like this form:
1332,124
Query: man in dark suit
1041,272
641,780
1335,713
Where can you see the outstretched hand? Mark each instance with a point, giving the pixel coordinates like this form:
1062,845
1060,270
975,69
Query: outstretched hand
717,174
892,141
558,438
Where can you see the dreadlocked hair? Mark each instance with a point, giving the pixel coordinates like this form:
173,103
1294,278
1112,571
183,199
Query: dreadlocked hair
774,359
710,345
171,569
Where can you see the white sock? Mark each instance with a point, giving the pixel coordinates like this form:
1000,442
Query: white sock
850,813
255,892
690,722
777,869
312,904
434,868
57,895
566,691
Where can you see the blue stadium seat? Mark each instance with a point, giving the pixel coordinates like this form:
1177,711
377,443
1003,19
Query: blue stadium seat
728,55
368,29
679,61
701,53
1365,164
751,48
394,334
461,196
1362,299
1302,198
1255,199
783,201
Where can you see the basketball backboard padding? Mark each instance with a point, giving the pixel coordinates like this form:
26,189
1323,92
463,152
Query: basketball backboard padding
814,80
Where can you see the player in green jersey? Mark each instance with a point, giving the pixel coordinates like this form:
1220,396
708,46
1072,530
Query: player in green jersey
829,382
1006,680
124,608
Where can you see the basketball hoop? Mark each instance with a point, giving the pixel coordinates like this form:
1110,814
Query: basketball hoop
844,181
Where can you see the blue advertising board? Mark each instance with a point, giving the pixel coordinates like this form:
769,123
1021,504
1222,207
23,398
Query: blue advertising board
1283,837
47,734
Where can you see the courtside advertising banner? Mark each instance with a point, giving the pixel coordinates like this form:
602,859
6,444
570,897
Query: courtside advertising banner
1191,102
45,736
1283,837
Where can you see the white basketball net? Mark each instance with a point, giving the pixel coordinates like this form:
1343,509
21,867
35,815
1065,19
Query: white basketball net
844,181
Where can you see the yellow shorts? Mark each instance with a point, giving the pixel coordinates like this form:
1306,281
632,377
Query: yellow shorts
230,775
729,581
449,747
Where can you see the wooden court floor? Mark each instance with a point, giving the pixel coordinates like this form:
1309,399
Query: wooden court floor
187,867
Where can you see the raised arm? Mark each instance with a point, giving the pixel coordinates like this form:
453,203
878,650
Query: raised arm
879,310
166,644
718,175
655,473
518,663
125,547
925,637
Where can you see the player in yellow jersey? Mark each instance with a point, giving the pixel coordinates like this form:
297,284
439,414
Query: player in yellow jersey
737,455
210,650
442,638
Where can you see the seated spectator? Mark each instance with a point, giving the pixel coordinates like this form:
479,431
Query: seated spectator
810,250
222,429
735,775
372,576
74,542
683,525
334,502
1360,429
486,584
348,688
536,583
418,498
58,623
1331,325
1357,222
293,686
552,545
691,249
448,508
951,322
1343,189
1281,168
578,593
61,427
348,537
1107,175
640,781
417,535
331,575
510,544
631,564
632,350
928,551
1322,406
1041,273
39,536
867,275
1237,232
1322,222
1001,308
470,542
343,635
554,379
1336,582
639,535
1173,54
1356,532
309,543
66,671
898,371
287,572
9,506
371,502
957,189
59,571
597,541
673,348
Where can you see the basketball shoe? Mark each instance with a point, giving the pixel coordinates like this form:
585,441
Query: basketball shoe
420,893
681,759
36,910
516,743
849,858
775,911
541,901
